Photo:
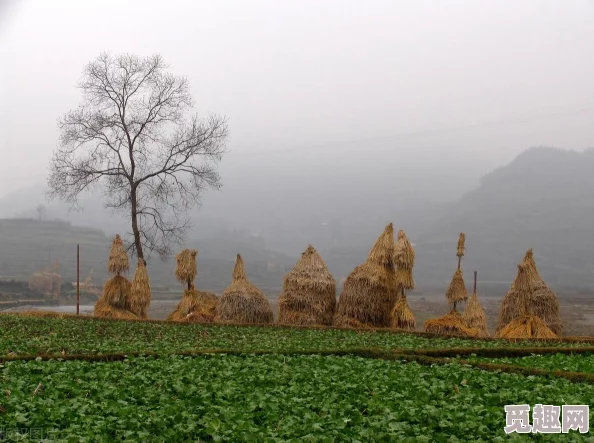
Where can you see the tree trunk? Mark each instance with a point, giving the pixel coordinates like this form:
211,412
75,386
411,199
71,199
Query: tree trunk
135,230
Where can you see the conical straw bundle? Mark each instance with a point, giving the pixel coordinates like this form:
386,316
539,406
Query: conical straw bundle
402,316
242,302
457,290
118,259
140,292
369,292
309,292
474,316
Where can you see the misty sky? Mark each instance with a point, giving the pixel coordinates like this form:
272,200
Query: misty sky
469,84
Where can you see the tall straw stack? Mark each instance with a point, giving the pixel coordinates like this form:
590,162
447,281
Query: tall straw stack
543,301
195,306
404,259
118,259
369,295
114,303
242,302
309,292
140,292
474,314
525,325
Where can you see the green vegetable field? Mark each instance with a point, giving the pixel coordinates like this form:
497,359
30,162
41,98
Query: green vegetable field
101,380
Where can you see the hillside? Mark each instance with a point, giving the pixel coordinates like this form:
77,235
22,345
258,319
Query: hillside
544,199
28,245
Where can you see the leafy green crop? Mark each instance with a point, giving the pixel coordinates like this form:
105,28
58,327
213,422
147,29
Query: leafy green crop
554,362
26,335
273,398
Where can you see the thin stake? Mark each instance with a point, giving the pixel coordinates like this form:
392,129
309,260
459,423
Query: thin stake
474,282
77,279
459,261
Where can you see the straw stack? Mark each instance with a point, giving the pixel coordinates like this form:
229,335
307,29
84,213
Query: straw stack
474,314
543,301
195,306
404,258
140,292
309,292
450,324
525,325
242,302
369,295
453,323
456,292
114,303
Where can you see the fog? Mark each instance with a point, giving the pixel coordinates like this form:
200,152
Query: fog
360,111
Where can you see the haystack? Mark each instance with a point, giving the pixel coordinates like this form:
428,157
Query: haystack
402,316
474,314
450,324
103,309
543,301
140,291
524,325
457,290
309,292
195,306
186,269
405,251
118,259
114,303
369,294
242,302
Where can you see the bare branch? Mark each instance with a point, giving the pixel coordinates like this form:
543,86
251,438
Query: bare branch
131,139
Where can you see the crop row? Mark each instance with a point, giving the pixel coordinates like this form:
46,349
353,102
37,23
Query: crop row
271,398
48,335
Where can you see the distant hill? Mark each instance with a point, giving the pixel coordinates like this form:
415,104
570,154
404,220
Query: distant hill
28,245
544,199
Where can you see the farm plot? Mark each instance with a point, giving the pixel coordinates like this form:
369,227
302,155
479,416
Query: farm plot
33,335
551,362
272,398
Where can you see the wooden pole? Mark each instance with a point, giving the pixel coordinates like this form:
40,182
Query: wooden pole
459,261
474,282
77,279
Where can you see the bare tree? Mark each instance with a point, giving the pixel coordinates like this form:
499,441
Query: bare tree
131,138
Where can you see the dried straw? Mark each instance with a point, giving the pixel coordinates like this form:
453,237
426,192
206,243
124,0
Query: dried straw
195,306
461,246
309,292
525,327
402,316
116,292
103,309
186,269
457,289
450,324
242,302
405,251
140,292
369,293
543,301
474,316
404,277
118,259
538,300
